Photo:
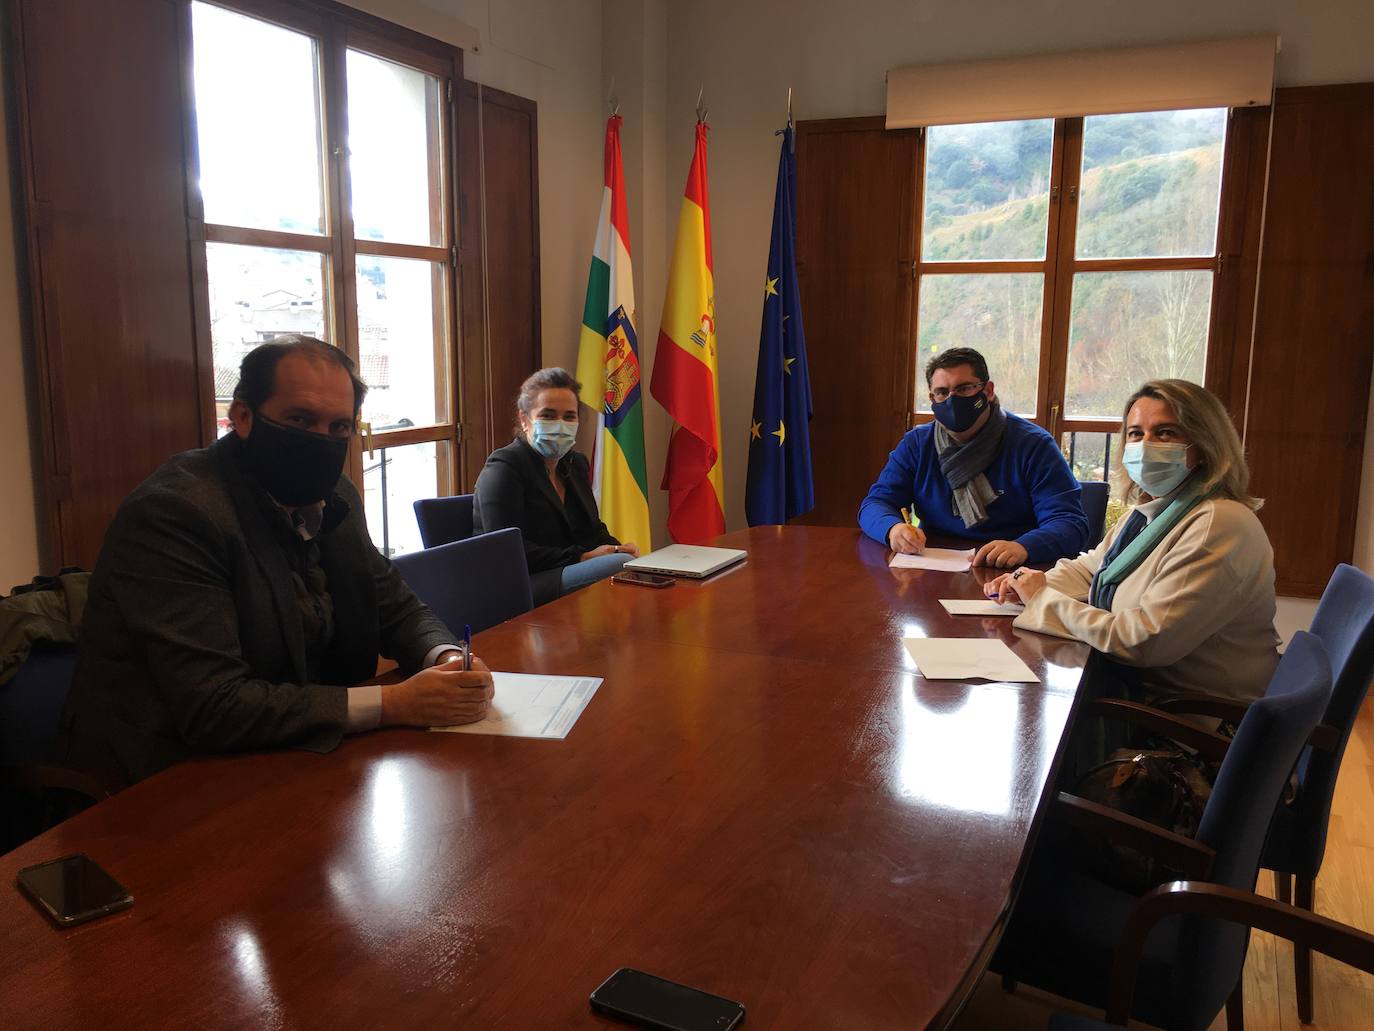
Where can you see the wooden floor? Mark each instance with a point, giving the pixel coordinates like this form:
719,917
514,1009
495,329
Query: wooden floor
1345,891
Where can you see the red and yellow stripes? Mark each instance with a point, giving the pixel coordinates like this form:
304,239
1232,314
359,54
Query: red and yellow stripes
685,379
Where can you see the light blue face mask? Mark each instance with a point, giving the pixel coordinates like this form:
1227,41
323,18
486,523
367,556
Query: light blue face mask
553,438
1157,468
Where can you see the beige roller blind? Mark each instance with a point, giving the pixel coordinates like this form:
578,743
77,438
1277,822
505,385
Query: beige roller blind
1222,73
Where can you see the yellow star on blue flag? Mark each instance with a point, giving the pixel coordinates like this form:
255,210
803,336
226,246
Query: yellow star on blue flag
779,485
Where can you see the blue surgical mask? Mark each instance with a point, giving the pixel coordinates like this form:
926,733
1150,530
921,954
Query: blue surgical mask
553,438
1157,468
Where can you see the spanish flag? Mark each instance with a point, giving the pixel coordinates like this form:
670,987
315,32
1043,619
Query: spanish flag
608,364
685,380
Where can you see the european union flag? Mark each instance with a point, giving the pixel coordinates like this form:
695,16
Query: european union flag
779,486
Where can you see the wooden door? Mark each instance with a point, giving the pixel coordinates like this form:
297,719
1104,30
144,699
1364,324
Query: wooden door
856,196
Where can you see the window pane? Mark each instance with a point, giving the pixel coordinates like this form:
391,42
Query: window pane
1089,454
393,480
1129,327
1151,184
257,122
403,341
256,295
997,315
987,191
394,155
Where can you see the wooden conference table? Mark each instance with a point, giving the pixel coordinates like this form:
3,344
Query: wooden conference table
762,800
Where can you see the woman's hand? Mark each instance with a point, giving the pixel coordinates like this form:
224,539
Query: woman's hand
1022,586
629,548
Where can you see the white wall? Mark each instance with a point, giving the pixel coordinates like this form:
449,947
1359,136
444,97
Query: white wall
18,516
549,51
835,55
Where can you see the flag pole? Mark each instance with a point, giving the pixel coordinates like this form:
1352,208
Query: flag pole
701,108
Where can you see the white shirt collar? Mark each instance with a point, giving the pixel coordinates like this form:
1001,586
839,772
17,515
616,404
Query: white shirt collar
1150,509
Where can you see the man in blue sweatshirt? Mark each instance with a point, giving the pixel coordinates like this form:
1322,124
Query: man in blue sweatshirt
977,472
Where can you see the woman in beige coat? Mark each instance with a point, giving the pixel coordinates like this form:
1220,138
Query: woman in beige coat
1181,591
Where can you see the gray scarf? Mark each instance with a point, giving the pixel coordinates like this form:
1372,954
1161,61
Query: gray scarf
963,465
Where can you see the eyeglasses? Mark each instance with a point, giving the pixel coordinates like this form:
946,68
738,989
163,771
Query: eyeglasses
962,390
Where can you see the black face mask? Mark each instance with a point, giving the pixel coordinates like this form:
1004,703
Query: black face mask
959,413
295,466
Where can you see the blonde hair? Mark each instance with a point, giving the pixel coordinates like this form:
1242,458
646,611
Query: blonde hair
1203,419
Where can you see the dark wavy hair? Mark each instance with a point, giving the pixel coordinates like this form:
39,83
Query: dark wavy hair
955,357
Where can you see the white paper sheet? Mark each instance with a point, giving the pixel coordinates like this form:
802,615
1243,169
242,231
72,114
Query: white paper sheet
967,658
532,705
981,607
934,558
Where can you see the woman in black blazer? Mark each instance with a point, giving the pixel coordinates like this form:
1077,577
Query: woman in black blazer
538,483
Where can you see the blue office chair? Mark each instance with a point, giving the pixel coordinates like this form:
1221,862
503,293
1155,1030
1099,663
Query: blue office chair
1197,899
444,520
480,582
1344,621
31,704
38,791
1095,496
1067,925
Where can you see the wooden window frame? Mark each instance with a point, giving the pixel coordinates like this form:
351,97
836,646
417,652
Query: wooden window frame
337,30
1060,265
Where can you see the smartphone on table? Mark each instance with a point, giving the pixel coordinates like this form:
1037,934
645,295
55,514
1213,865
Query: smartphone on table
73,889
631,576
652,1002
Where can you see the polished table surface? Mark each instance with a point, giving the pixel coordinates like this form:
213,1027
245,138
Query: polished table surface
762,800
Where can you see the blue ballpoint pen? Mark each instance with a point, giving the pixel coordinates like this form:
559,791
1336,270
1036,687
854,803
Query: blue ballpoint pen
467,646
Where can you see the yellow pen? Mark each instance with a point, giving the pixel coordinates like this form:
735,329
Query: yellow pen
915,519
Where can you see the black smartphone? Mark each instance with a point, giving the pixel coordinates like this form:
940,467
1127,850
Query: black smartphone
652,1002
631,576
73,889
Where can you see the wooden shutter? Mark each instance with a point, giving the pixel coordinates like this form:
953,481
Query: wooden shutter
100,103
498,137
1314,341
856,196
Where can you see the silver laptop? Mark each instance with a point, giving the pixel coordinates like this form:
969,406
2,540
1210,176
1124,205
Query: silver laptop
686,560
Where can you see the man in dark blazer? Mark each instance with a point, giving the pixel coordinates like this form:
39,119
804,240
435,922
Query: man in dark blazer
237,594
538,483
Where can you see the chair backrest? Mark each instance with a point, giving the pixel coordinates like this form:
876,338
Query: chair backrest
480,582
1248,785
1344,621
1095,496
444,520
31,704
